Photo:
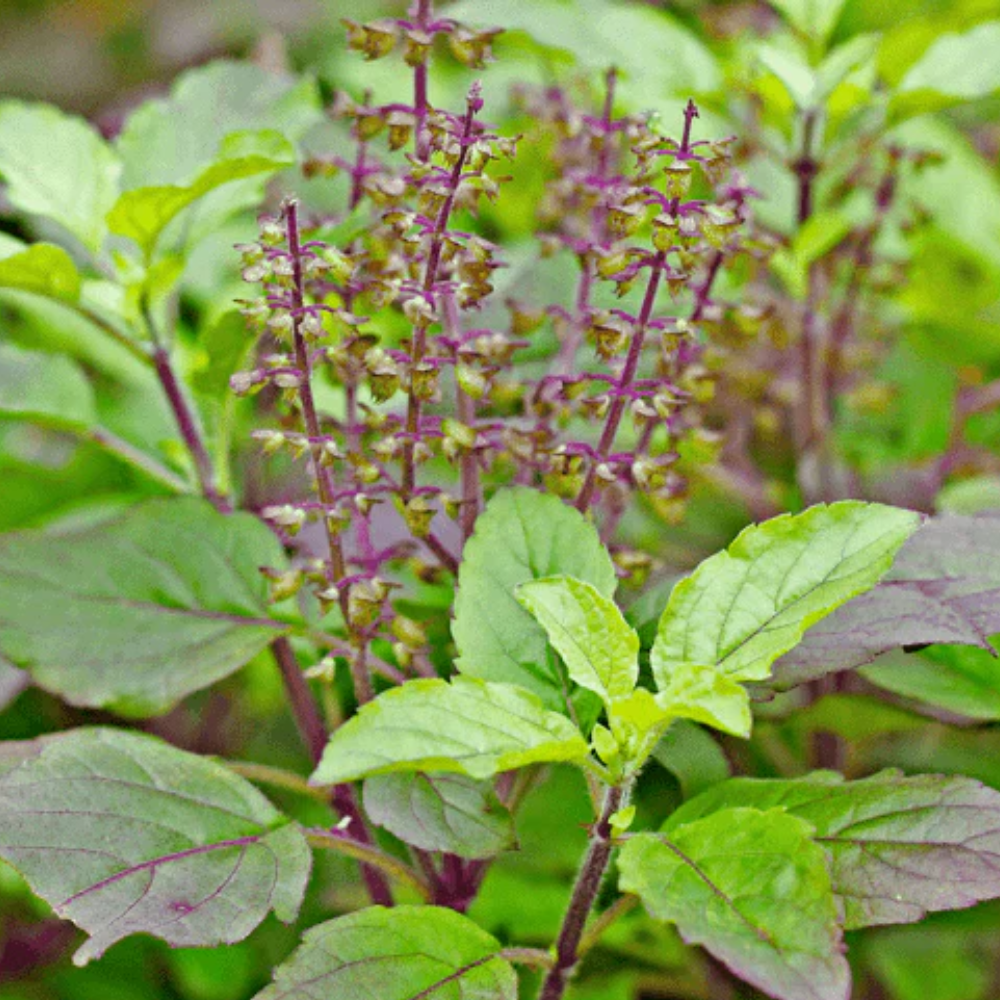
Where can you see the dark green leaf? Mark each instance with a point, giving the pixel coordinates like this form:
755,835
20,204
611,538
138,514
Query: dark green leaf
753,889
692,756
137,612
440,812
900,846
123,834
406,953
960,679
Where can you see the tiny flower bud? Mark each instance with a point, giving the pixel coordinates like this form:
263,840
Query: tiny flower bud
678,178
374,40
243,383
325,670
270,441
365,600
424,381
409,632
471,381
418,310
285,585
418,514
286,516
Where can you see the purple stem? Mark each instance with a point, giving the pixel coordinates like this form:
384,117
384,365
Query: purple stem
465,407
188,426
324,484
574,337
617,408
422,12
430,277
588,882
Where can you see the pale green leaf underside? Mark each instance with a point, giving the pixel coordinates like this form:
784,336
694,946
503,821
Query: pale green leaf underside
440,812
743,608
124,834
600,649
42,269
468,726
143,213
406,953
522,535
58,167
135,613
753,889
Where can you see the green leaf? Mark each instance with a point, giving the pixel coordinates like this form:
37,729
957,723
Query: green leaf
600,649
898,958
810,87
137,612
703,693
789,65
692,756
816,238
753,889
956,67
42,269
143,213
173,139
900,847
223,346
522,535
124,834
468,726
855,718
406,953
819,235
44,388
598,34
969,496
58,167
743,608
960,679
440,812
815,19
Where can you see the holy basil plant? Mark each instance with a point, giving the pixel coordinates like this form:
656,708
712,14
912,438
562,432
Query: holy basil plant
124,834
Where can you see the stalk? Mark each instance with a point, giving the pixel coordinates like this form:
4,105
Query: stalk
307,718
422,11
363,690
617,409
419,348
588,883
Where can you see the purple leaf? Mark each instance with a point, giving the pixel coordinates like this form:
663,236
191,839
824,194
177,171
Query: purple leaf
943,588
